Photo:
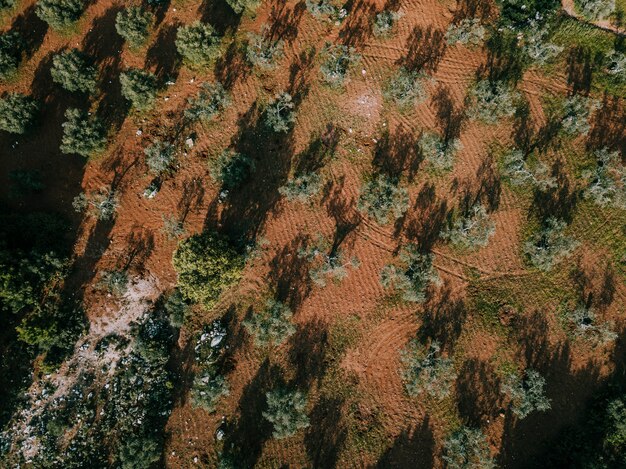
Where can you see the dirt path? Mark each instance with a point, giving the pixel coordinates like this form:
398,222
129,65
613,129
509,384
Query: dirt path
606,25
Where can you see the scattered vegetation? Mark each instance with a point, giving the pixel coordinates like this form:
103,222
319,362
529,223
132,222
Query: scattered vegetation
412,275
526,392
324,9
337,60
262,51
467,31
160,157
426,371
198,43
576,112
101,204
467,448
382,197
83,134
384,23
210,100
18,113
326,261
60,14
272,325
438,151
491,100
472,229
279,114
406,88
208,385
74,72
517,169
133,23
139,87
232,169
114,282
286,411
584,323
596,9
239,6
549,246
302,187
607,180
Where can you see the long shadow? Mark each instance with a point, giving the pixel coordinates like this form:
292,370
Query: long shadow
478,388
443,319
284,21
414,447
609,126
290,274
449,119
580,66
233,65
559,201
396,153
473,9
357,27
219,15
307,352
163,55
485,188
347,219
138,247
326,435
427,219
504,62
319,151
425,49
31,29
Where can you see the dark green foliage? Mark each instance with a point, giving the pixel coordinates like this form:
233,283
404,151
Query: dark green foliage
139,452
11,45
527,393
382,198
160,157
272,325
286,411
206,265
467,448
549,246
426,371
133,24
154,338
337,60
239,6
211,100
279,114
198,43
139,87
25,183
73,71
101,204
60,13
517,15
18,112
406,88
177,308
83,134
232,169
114,282
471,229
302,188
207,390
607,180
412,275
6,4
262,51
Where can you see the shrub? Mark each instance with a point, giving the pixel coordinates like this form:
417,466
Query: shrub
301,188
176,307
467,448
206,265
11,45
24,183
73,71
211,99
576,112
101,204
549,246
239,6
438,151
232,169
160,157
60,13
207,390
468,31
133,24
426,371
7,4
286,411
382,197
412,276
585,324
18,112
616,64
139,87
536,46
337,60
527,393
173,227
472,229
139,452
517,170
323,9
154,339
607,180
197,43
325,261
596,9
279,114
114,282
384,23
405,88
262,51
491,101
272,325
82,134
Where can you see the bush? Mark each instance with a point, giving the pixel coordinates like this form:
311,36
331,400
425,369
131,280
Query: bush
139,452
585,324
517,170
337,60
491,101
73,71
18,113
472,229
232,169
467,448
114,282
197,43
301,188
384,23
382,197
139,87
517,16
133,24
326,261
177,308
412,276
82,134
102,204
60,13
262,51
286,411
173,227
596,9
207,390
160,157
536,46
616,64
426,371
576,113
211,99
239,6
405,88
323,9
11,45
527,394
279,114
438,151
154,338
468,31
206,265
7,4
607,180
272,325
549,246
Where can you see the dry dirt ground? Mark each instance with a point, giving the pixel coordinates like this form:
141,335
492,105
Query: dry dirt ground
346,351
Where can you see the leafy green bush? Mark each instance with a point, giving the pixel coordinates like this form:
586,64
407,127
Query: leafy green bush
11,44
467,31
286,411
207,390
384,23
585,324
239,6
490,101
82,134
576,112
114,282
160,157
198,43
607,180
206,265
406,88
596,9
472,229
101,204
337,60
549,246
262,51
133,24
426,371
139,452
467,448
412,275
302,187
176,307
18,112
272,325
139,87
73,71
211,99
527,393
438,151
382,197
60,13
232,169
517,15
279,114
325,261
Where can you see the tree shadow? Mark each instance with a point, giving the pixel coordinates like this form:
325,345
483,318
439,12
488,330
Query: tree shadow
504,62
559,201
357,27
326,435
580,66
319,151
284,21
449,119
191,197
486,188
414,447
425,49
481,9
159,9
478,388
396,153
596,284
443,318
219,15
290,274
609,126
299,75
307,352
232,65
163,56
347,219
425,222
31,29
138,248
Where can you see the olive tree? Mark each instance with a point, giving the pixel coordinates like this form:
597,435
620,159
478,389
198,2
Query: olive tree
467,448
438,151
596,9
527,393
302,188
160,157
326,261
412,275
518,171
262,50
286,411
576,111
615,64
239,6
337,60
426,371
606,182
585,324
11,44
405,88
232,169
207,389
101,204
467,31
210,100
139,87
382,198
471,229
323,9
133,23
272,325
60,13
536,46
384,23
198,43
280,114
490,101
74,71
83,134
549,246
18,112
